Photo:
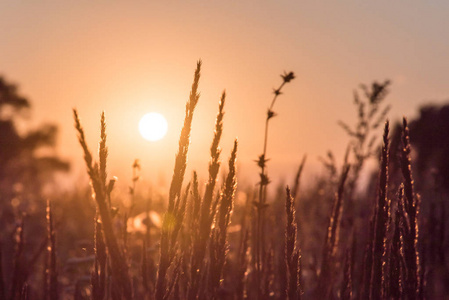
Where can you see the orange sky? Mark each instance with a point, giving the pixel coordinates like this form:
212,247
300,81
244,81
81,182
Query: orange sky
131,57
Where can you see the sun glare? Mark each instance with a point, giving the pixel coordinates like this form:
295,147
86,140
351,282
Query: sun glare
153,126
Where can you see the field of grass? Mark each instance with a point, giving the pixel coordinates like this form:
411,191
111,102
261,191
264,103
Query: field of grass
324,241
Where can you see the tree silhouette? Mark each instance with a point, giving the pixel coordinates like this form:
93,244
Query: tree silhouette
429,135
429,138
23,170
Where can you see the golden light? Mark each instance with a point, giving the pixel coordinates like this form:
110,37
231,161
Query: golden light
153,126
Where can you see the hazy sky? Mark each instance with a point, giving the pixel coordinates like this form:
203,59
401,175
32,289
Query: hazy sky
132,57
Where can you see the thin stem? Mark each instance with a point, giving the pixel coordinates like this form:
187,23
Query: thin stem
259,240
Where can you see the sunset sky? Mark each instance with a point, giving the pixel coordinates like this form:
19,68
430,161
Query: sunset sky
129,58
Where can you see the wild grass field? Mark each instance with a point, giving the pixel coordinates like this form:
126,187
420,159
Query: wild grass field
219,240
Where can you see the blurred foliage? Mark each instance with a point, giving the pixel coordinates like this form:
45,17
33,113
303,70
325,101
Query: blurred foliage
27,161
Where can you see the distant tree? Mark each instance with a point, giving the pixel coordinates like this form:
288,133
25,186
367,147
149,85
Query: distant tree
24,166
429,135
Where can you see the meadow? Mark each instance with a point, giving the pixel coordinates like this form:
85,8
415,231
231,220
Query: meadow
328,240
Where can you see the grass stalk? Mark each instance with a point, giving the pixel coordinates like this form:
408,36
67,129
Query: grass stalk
395,289
98,278
346,285
119,266
2,282
411,208
297,182
332,239
17,279
207,209
24,295
219,245
381,222
175,190
53,274
103,150
292,249
242,265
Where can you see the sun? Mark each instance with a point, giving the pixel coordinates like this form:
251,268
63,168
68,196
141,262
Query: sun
153,126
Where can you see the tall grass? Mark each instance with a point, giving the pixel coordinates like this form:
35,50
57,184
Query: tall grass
210,246
53,276
292,250
206,209
410,204
175,214
121,281
381,224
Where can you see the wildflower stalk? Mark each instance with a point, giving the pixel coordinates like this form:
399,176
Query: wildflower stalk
259,240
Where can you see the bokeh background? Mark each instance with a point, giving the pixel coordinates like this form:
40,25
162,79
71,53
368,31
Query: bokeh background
130,58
